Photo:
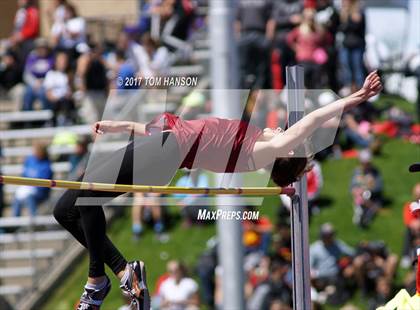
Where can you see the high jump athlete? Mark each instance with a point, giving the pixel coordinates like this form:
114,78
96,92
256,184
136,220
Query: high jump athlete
160,148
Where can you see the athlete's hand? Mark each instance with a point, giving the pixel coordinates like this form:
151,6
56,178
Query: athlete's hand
104,127
372,85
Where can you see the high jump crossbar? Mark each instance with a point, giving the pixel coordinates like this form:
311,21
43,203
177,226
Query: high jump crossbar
124,188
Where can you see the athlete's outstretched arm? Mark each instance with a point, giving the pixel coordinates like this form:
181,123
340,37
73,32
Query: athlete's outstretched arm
265,152
103,127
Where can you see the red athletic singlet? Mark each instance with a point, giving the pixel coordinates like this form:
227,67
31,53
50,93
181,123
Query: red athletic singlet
214,144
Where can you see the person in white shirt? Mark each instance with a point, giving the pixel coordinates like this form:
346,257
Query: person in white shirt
148,59
178,292
57,88
57,13
154,60
70,33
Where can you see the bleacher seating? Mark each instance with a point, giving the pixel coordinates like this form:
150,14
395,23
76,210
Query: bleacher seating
28,246
59,167
28,252
26,116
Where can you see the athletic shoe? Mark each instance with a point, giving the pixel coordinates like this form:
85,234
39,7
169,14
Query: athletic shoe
134,285
92,299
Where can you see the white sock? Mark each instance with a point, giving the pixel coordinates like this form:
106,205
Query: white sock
97,286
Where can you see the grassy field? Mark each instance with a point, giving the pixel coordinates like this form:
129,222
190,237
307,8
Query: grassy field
187,244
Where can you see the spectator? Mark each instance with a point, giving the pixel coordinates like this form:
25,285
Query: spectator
38,63
146,208
26,27
78,160
10,71
353,29
143,25
177,16
206,267
358,133
412,223
373,262
57,14
315,183
287,14
11,76
282,241
179,291
252,27
328,17
188,203
124,70
257,268
277,287
411,277
37,165
92,84
330,262
58,94
256,233
308,40
366,189
382,294
277,304
133,50
153,59
70,35
1,187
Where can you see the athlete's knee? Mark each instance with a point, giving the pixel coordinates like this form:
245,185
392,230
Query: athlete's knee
61,210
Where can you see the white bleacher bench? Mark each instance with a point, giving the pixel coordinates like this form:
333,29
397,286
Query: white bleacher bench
27,254
16,272
56,150
13,221
11,290
52,235
43,132
186,70
203,43
11,189
201,55
156,108
28,150
26,116
17,169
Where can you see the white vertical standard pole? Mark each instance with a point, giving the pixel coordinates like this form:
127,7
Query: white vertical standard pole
226,103
299,212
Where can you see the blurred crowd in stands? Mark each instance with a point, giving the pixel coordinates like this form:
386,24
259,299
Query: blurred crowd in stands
71,75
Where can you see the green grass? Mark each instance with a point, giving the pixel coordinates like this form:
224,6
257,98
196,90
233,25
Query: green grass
187,244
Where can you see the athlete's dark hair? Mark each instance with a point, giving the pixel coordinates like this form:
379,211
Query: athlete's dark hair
286,170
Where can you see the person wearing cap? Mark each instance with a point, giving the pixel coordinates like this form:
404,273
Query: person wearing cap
330,260
366,189
38,63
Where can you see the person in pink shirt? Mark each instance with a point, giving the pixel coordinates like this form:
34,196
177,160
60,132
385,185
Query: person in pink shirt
308,40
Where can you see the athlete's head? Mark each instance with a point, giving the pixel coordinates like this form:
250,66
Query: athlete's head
288,170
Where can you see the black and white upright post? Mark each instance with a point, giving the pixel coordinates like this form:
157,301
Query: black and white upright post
299,212
226,103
